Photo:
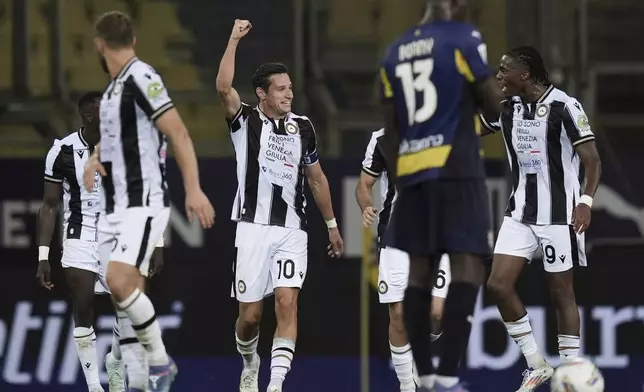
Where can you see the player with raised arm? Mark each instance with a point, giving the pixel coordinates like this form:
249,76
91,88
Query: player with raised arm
137,115
546,135
84,274
393,265
276,151
434,80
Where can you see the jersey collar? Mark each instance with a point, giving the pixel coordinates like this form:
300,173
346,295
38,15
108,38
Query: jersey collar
126,67
82,139
263,116
546,93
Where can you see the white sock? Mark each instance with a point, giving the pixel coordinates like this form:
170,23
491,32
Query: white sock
428,381
133,354
447,382
403,361
248,350
85,339
521,332
140,310
281,357
116,336
571,350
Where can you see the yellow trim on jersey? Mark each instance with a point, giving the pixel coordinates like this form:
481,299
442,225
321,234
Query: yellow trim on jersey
430,158
387,91
462,66
477,125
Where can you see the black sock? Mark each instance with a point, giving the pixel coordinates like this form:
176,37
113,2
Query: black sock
459,308
416,311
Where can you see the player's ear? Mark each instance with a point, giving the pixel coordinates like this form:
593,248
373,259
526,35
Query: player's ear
525,76
260,93
87,117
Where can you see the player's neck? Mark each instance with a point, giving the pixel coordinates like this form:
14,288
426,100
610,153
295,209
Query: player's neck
533,93
117,59
91,136
272,114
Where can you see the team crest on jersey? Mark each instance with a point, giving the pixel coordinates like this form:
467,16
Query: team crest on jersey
383,287
542,110
241,287
291,128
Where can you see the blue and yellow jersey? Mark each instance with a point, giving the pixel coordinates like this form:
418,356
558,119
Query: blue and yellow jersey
429,73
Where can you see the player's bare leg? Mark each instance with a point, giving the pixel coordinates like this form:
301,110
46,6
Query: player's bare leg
416,305
285,335
126,283
438,306
81,285
563,297
247,337
501,285
401,355
468,274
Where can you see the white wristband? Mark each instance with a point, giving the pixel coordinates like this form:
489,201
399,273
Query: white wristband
43,253
587,200
161,243
331,224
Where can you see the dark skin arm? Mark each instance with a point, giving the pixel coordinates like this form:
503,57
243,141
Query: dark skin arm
47,216
593,166
489,97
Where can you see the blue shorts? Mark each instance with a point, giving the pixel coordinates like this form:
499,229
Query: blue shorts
441,216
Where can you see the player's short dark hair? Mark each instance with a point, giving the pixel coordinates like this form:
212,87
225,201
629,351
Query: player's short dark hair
88,99
262,75
531,58
116,29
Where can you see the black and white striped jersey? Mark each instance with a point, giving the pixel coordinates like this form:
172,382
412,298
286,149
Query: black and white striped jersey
540,139
65,164
374,164
133,150
271,158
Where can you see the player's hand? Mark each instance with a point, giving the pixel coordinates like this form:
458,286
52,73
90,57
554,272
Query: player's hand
369,216
44,274
240,29
581,218
198,206
336,246
156,266
93,165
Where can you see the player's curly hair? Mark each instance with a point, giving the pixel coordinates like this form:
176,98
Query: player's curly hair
262,75
531,58
89,98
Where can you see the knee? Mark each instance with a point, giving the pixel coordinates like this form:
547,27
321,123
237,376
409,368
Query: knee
436,317
122,281
396,316
498,287
286,304
249,316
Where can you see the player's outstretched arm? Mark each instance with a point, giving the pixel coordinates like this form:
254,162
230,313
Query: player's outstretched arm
227,94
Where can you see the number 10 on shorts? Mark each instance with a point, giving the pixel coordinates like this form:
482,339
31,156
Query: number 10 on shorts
285,268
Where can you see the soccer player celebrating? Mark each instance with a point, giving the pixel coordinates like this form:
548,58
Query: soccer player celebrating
137,115
84,274
393,266
432,79
546,134
276,151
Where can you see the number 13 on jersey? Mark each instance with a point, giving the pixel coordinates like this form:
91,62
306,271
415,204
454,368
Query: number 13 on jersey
415,77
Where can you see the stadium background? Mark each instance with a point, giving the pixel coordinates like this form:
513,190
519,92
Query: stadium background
332,47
